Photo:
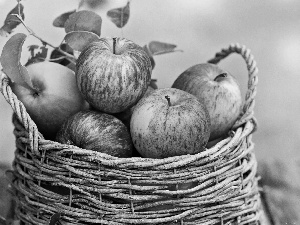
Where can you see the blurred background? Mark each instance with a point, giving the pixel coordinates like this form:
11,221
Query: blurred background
200,28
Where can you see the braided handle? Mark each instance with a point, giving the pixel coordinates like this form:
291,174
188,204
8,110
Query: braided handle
247,111
21,113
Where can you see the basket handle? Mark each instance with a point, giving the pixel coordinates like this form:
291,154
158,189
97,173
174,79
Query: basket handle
247,110
21,113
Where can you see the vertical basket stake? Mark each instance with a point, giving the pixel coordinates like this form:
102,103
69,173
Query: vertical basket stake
222,220
217,178
130,193
99,179
175,171
71,190
25,170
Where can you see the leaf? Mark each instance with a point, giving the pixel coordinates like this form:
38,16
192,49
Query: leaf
32,48
55,218
61,19
84,20
150,56
58,57
11,21
43,53
158,48
10,60
71,66
37,57
119,16
78,40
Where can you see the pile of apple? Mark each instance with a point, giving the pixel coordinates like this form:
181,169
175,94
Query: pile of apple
107,105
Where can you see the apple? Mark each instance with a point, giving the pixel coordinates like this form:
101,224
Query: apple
169,122
113,74
96,131
218,90
55,96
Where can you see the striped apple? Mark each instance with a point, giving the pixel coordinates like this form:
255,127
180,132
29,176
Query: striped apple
169,122
96,131
113,74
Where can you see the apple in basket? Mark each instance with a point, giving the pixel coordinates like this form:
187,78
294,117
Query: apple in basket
113,74
53,99
218,90
169,122
96,131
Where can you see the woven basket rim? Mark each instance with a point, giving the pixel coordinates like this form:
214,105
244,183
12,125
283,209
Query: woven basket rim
208,155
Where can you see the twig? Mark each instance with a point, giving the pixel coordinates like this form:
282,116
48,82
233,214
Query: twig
19,8
30,31
59,58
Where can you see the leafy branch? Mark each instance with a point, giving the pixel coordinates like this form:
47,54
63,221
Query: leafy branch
81,28
31,32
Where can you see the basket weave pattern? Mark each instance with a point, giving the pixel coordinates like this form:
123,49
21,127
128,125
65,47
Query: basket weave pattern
102,189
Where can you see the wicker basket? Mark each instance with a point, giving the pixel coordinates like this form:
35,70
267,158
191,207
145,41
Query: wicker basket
95,188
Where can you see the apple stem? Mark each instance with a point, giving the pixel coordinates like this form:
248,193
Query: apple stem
114,45
221,75
168,99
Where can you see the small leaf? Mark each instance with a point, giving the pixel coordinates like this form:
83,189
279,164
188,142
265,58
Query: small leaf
32,48
71,66
58,57
43,53
61,19
78,40
150,56
84,20
10,60
158,48
37,57
11,21
119,16
55,218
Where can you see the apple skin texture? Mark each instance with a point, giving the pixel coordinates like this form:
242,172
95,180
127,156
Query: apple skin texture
113,74
55,99
160,130
96,131
220,94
